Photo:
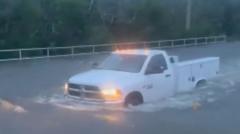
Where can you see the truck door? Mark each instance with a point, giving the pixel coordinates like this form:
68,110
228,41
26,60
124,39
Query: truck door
158,79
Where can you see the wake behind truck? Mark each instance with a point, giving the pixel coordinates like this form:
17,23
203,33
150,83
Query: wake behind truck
132,77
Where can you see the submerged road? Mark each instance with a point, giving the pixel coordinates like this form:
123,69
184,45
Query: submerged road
31,101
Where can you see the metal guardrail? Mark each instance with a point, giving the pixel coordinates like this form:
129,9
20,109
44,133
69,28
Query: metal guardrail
35,53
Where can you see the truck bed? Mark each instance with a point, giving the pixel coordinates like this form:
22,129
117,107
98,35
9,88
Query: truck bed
189,73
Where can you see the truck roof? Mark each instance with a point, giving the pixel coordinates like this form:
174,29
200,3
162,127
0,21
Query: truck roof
147,52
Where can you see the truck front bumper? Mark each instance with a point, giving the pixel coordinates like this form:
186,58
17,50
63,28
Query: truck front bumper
94,101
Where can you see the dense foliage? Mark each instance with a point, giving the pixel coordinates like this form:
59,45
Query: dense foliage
44,23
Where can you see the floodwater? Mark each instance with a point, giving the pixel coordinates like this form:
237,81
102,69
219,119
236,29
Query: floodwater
32,100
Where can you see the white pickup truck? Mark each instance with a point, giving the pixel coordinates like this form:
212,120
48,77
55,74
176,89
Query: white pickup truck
137,76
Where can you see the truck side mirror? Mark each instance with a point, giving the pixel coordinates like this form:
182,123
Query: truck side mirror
172,60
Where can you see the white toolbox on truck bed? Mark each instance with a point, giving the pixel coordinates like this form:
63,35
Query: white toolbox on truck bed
188,73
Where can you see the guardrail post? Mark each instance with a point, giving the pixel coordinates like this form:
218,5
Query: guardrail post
218,39
159,44
196,41
144,44
20,54
184,42
206,40
72,51
172,43
215,39
224,38
93,49
48,52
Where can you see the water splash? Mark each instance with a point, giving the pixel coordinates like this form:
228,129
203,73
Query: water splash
11,107
207,94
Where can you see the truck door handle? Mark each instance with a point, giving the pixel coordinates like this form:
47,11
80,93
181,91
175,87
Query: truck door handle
168,75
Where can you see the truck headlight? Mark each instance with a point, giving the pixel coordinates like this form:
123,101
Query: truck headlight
111,94
66,89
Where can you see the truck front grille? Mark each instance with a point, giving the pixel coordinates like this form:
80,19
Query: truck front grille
74,93
85,87
83,91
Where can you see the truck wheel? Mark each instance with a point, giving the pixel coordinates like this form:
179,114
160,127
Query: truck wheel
134,99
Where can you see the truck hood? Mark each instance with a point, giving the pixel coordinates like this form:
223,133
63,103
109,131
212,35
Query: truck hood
105,78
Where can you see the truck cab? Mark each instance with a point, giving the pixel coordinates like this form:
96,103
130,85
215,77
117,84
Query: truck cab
158,76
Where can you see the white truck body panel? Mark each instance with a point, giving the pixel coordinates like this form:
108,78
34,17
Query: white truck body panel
188,73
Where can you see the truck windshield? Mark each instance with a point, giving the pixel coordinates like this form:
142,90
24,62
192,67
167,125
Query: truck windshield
123,62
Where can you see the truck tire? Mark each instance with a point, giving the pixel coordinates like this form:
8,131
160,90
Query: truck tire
201,83
134,99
